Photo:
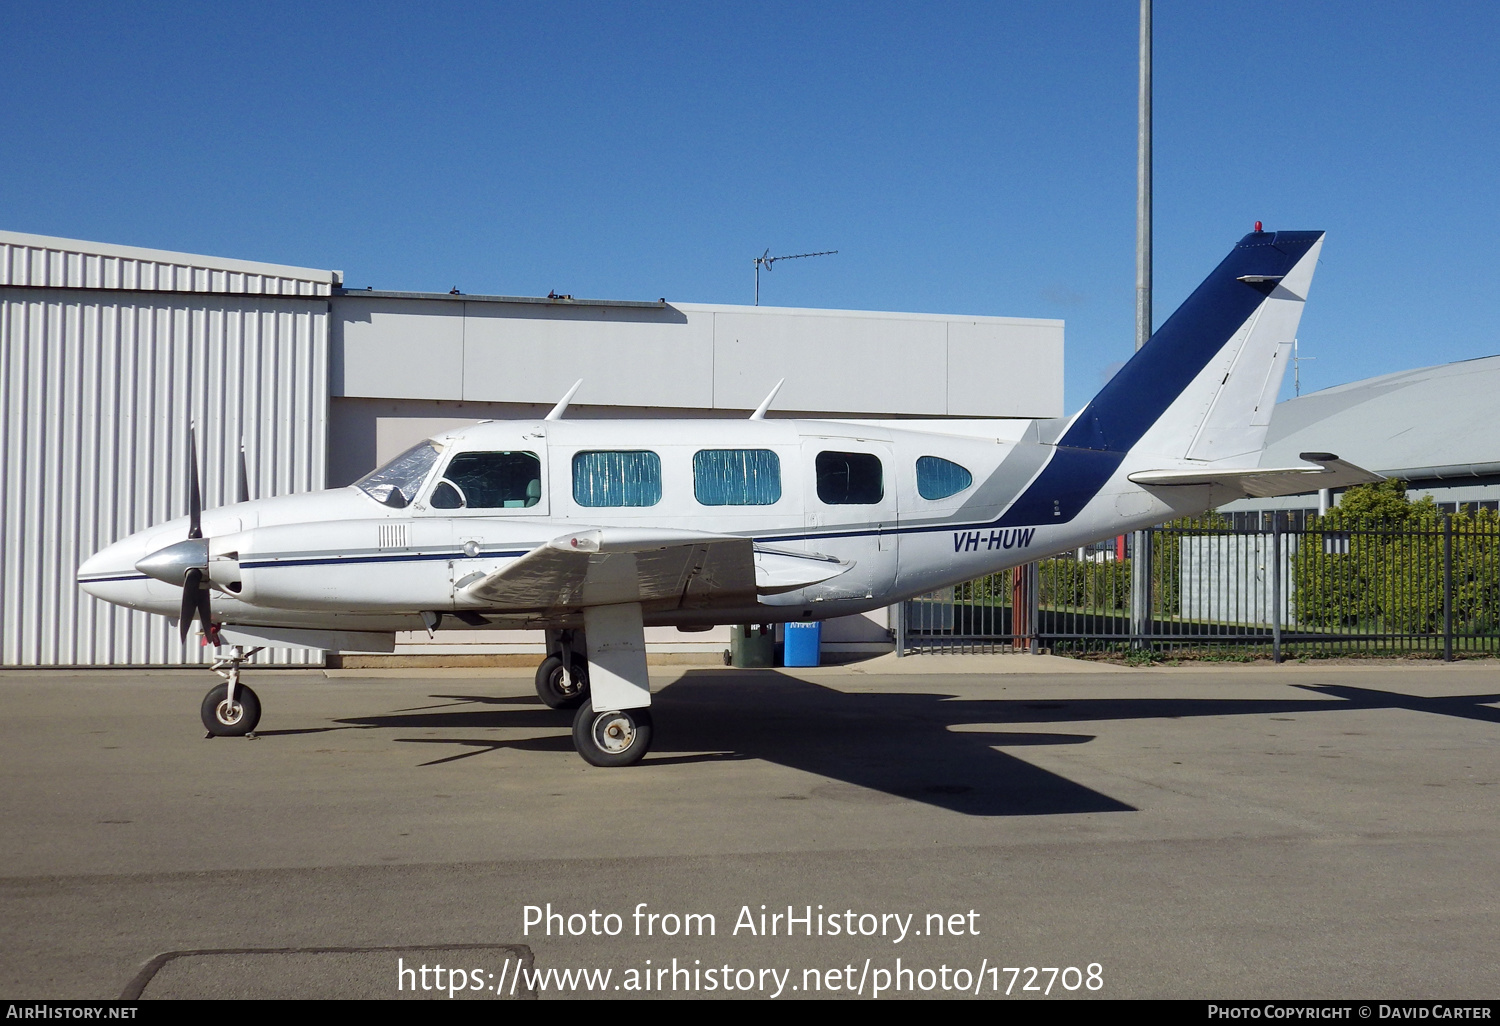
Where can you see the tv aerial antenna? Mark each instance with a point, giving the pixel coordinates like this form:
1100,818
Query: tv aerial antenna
1297,362
766,260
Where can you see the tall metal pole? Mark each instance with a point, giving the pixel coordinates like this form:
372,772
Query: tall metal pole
1448,587
1140,564
1277,584
1143,188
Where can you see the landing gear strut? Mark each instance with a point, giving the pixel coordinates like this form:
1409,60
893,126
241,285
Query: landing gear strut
562,681
231,709
613,728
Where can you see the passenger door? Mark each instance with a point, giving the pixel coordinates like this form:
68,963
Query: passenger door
850,484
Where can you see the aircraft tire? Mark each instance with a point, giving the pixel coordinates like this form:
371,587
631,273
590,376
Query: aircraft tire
558,689
221,721
611,738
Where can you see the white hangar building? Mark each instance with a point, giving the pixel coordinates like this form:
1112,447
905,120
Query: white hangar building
108,353
1434,427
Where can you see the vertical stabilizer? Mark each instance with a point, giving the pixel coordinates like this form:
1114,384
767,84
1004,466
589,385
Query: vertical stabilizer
1203,386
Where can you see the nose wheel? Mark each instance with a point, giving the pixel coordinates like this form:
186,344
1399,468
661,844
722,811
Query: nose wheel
563,688
231,709
223,717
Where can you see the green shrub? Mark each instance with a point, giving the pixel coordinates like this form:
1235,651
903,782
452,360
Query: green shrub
1375,563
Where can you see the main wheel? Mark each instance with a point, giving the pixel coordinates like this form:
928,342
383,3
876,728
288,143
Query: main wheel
611,738
222,719
560,689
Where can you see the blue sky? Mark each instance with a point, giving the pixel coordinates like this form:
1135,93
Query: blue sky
962,158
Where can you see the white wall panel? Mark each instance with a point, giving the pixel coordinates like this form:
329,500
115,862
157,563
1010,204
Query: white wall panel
1020,364
689,356
839,363
399,349
625,357
97,389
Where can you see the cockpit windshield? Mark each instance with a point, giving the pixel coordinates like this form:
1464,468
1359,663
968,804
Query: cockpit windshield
396,484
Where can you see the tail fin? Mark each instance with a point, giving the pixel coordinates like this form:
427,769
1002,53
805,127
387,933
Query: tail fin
1203,386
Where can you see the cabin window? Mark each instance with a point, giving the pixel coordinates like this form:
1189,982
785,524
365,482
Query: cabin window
938,478
396,484
490,480
849,478
629,478
736,477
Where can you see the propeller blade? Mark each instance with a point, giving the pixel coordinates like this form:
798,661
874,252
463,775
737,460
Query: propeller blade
191,587
206,617
195,497
244,495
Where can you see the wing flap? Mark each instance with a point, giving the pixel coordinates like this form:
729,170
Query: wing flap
777,570
688,569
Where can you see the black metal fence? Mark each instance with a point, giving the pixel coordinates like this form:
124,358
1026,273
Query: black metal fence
1294,587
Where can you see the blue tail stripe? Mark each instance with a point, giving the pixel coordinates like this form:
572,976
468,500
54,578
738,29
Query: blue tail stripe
1070,479
1131,402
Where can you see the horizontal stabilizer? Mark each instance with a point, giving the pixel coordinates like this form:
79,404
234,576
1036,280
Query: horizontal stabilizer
1263,482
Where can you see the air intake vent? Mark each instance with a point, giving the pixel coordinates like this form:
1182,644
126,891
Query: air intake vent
393,536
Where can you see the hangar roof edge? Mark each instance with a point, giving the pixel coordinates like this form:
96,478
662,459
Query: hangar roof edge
162,256
662,304
463,297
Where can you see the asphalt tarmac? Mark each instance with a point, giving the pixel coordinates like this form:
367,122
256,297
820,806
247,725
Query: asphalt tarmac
976,825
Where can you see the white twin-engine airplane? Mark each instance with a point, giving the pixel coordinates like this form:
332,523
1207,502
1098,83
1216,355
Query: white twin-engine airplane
594,530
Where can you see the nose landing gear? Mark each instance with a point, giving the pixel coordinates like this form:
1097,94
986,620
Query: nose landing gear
562,681
231,709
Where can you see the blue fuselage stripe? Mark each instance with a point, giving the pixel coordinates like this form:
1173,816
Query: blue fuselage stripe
421,557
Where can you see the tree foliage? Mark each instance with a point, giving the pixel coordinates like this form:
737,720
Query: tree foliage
1375,563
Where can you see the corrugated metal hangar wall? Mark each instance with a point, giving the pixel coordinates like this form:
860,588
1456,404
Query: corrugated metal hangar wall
106,355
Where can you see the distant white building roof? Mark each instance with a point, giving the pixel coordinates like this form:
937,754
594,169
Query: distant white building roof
1425,424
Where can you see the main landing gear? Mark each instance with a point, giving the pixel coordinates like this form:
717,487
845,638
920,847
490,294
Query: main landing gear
617,738
231,709
605,680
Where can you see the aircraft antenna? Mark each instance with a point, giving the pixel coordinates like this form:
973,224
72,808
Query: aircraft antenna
766,260
562,404
760,411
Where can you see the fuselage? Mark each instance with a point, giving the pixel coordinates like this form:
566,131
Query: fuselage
902,507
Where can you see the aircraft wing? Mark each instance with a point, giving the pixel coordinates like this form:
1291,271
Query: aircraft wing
1264,482
689,569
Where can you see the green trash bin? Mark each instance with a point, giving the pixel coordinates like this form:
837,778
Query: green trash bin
752,645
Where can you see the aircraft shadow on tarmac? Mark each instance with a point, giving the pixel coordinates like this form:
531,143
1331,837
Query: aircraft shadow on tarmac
930,748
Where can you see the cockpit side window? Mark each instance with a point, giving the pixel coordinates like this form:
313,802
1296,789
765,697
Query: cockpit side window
490,480
396,484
